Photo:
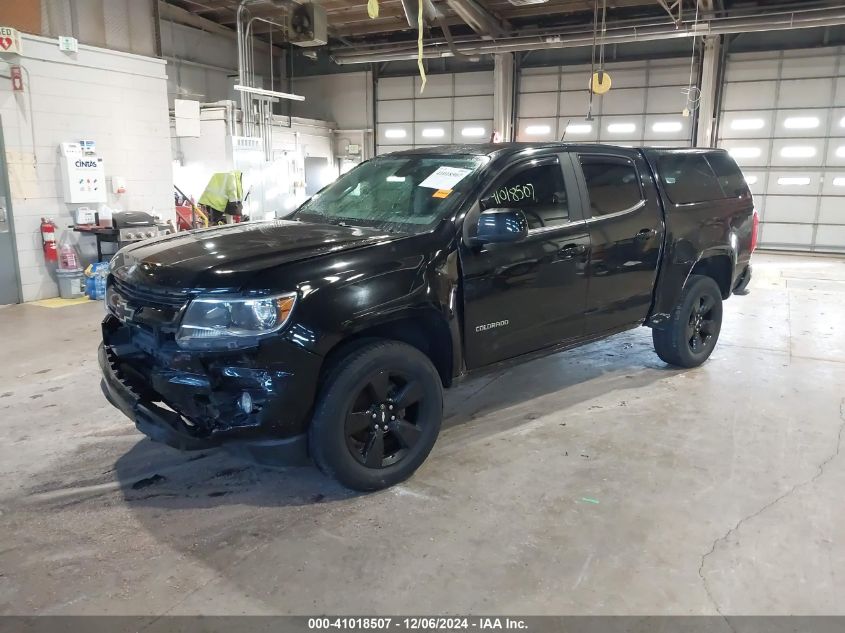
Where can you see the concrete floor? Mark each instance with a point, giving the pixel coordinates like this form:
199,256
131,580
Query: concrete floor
593,481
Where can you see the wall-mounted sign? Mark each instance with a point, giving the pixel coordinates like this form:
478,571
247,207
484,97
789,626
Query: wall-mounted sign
68,44
10,41
83,174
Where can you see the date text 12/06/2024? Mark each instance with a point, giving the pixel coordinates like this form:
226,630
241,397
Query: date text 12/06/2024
417,623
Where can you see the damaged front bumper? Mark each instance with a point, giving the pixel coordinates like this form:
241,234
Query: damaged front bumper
190,401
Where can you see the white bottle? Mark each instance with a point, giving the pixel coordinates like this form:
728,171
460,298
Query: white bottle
105,216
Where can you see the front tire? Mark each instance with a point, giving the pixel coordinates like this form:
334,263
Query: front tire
690,335
377,416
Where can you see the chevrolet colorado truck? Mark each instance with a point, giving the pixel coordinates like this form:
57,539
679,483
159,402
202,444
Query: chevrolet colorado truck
332,334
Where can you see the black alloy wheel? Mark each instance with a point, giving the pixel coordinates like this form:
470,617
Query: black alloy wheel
701,325
382,424
377,416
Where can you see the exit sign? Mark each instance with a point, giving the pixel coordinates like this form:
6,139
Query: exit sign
10,41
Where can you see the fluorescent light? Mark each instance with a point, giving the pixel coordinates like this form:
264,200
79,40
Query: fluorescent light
801,122
537,130
395,133
794,180
840,151
751,180
395,179
579,128
798,151
269,93
839,181
747,124
433,132
842,122
667,126
473,132
744,152
621,128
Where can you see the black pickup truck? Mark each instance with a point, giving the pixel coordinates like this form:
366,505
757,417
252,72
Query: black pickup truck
332,334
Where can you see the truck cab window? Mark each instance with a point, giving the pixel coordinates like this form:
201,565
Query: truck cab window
612,183
688,178
537,190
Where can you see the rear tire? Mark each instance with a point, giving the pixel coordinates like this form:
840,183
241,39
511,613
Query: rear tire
377,416
688,338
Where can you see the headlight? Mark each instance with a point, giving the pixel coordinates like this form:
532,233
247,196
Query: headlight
232,322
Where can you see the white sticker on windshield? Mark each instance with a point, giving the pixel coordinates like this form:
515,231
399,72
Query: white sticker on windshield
445,177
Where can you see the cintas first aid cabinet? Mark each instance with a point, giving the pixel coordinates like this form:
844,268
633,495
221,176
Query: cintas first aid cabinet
83,175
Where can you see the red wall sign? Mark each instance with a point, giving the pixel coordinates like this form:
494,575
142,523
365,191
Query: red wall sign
17,79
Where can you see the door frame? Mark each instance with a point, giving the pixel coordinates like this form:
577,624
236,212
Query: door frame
10,215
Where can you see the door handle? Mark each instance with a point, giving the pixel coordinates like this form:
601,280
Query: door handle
646,234
572,250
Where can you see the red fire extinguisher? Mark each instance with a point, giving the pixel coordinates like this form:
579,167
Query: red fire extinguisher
48,238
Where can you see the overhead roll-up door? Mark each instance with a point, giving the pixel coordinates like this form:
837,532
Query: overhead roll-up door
783,119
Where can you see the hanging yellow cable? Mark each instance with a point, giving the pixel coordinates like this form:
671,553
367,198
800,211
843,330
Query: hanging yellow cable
372,9
420,47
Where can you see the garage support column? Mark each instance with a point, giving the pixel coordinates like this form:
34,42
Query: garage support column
710,72
503,95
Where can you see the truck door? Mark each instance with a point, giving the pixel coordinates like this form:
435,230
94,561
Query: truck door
523,296
626,233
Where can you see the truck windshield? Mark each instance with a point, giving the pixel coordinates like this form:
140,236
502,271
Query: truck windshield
405,194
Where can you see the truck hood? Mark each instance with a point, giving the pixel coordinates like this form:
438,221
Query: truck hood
227,257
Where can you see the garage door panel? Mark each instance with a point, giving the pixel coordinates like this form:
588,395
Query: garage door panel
388,149
396,111
577,80
394,133
632,78
396,88
433,132
574,104
433,109
473,108
809,66
836,152
623,101
834,183
794,123
538,104
831,237
794,183
839,92
667,127
536,129
750,70
786,235
672,74
797,93
478,83
435,85
832,210
837,122
754,95
749,152
793,209
538,83
799,152
578,130
747,124
669,99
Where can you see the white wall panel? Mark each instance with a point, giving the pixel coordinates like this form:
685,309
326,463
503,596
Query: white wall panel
798,236
831,237
803,93
797,209
752,95
534,104
473,108
832,210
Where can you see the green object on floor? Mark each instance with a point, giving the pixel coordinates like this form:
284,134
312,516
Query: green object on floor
589,500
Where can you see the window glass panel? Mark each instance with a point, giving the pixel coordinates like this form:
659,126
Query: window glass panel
729,175
612,182
687,178
538,190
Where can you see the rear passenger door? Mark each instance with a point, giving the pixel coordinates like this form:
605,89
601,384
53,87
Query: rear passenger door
626,231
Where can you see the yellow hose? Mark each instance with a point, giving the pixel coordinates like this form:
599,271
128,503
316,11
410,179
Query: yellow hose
420,47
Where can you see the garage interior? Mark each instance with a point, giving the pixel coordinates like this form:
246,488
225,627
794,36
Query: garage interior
596,481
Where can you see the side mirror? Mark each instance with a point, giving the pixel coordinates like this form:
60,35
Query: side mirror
496,226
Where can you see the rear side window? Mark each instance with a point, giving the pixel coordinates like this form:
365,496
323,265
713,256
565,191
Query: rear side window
612,183
730,177
688,178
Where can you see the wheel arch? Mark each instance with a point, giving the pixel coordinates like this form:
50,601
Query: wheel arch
426,330
719,266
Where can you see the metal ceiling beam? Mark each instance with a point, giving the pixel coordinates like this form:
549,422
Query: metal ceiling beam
786,20
478,18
